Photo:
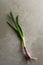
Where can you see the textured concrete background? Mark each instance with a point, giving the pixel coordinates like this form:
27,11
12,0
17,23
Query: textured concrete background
31,20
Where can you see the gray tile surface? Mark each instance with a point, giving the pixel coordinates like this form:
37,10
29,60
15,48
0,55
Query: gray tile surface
31,20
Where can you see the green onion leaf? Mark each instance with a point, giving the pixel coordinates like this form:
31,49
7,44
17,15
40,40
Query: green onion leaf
19,25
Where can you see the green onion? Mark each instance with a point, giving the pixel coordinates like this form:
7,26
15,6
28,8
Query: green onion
18,29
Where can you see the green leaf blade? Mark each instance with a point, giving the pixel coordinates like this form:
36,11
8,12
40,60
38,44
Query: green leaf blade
19,25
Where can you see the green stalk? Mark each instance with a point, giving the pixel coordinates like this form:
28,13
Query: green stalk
16,25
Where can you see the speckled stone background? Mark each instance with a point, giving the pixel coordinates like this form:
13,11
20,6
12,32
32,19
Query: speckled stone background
31,20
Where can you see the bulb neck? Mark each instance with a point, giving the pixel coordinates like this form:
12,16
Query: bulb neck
23,43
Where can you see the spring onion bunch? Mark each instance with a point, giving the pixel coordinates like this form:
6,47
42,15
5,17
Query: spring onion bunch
21,35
